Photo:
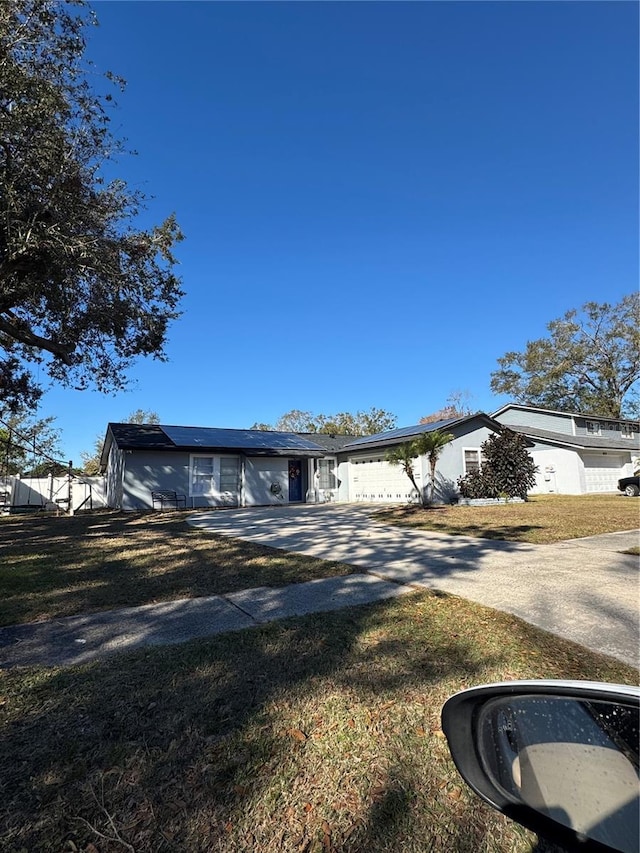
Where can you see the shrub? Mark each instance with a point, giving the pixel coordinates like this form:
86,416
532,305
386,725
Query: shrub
507,469
476,485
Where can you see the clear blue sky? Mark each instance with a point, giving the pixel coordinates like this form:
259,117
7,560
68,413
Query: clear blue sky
379,199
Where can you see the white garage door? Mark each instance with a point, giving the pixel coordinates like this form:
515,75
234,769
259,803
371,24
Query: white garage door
374,479
601,473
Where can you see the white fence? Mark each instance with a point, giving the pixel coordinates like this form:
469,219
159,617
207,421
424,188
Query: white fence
52,492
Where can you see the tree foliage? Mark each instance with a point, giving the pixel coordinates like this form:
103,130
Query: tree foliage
29,445
429,444
343,423
589,362
404,455
91,458
360,423
82,291
456,406
295,421
507,468
142,416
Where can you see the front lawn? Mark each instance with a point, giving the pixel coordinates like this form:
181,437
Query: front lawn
313,735
51,567
541,520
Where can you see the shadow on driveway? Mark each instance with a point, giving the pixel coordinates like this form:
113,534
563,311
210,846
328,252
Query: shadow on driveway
588,595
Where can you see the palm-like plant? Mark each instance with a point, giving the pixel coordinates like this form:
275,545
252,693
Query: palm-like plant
403,455
431,444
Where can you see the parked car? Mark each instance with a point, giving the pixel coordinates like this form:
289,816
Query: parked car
630,486
559,757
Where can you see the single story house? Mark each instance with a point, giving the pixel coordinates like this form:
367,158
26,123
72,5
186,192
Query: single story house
369,477
210,466
575,453
231,467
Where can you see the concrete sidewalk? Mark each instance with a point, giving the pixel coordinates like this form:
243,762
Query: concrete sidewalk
80,639
582,590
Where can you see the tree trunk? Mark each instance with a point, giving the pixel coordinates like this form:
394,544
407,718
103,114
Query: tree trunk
432,485
411,476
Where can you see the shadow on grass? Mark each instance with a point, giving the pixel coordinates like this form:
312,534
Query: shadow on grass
54,567
514,532
313,734
427,519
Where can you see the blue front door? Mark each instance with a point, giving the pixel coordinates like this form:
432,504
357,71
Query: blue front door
295,481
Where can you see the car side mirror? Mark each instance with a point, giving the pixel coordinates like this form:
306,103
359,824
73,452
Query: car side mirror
559,757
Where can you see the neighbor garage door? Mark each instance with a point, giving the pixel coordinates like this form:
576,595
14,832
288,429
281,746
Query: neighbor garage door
373,479
601,473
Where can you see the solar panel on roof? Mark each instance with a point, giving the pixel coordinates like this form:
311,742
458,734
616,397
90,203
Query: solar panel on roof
403,432
238,439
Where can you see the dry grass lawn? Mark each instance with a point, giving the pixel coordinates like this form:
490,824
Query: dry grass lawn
314,735
52,567
541,520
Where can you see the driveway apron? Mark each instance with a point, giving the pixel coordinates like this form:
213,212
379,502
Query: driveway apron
585,592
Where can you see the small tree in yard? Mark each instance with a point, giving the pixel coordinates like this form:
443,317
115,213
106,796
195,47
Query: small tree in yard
431,444
507,469
403,455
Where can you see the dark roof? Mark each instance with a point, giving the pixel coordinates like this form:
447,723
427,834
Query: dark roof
587,441
524,407
397,436
331,443
392,436
140,437
253,441
267,442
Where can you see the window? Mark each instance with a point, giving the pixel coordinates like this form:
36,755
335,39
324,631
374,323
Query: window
202,479
471,461
229,471
474,459
593,427
213,475
326,474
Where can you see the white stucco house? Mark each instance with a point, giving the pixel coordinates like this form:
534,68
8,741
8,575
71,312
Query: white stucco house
575,454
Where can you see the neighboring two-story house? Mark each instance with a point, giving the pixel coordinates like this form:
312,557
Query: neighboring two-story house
576,454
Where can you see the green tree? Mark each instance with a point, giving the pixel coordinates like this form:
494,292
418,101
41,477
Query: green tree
590,362
82,290
374,421
404,455
142,416
343,423
295,421
431,444
91,458
28,444
507,468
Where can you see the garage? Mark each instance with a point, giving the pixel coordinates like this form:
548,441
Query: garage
602,471
374,479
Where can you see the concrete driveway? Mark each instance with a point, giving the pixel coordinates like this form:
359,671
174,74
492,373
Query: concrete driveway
582,590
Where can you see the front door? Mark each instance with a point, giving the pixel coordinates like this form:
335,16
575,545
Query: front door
295,481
